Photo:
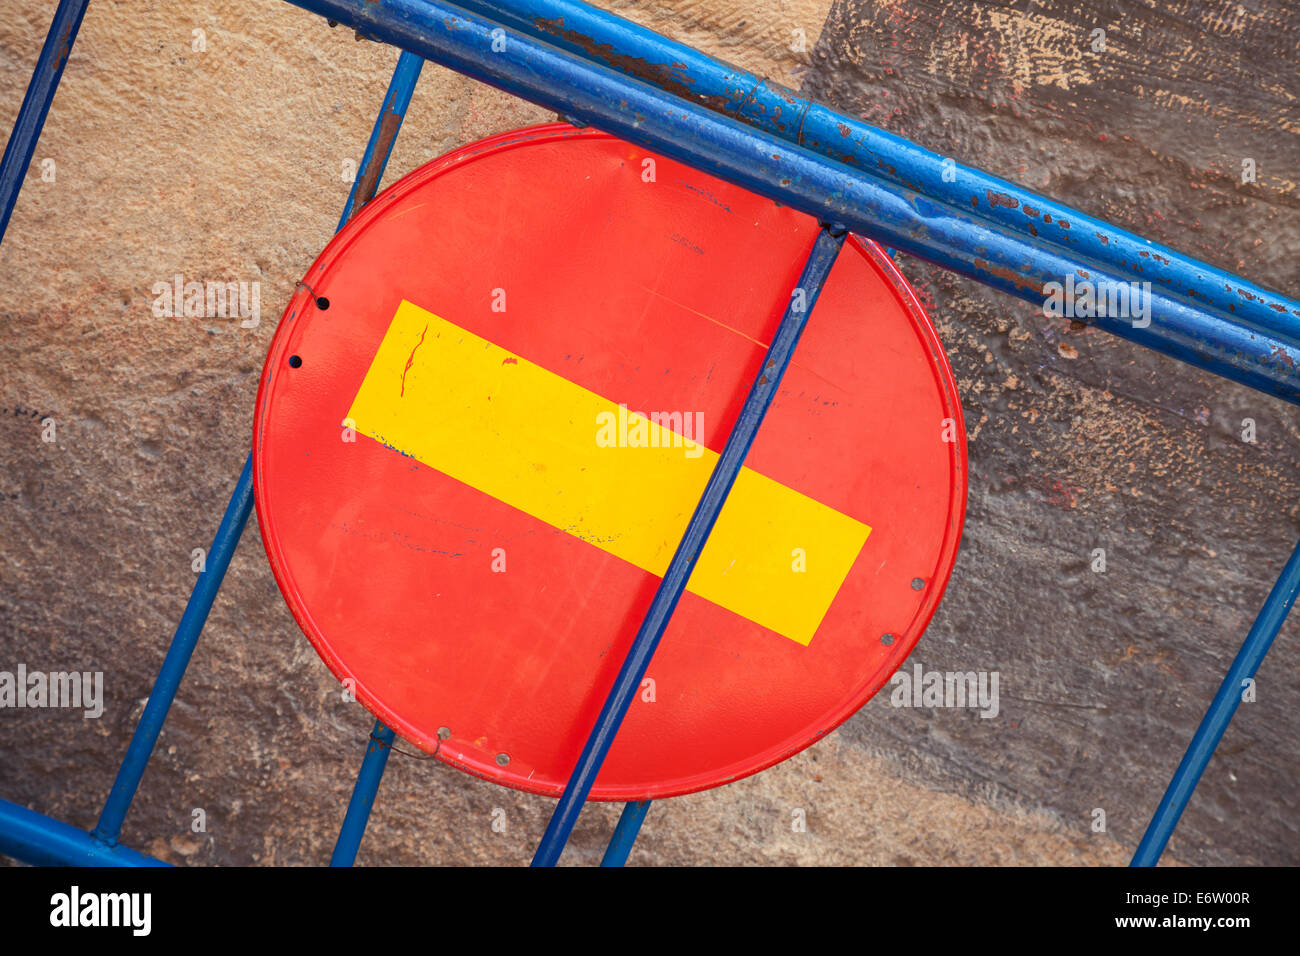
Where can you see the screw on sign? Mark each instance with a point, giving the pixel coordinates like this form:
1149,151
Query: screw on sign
541,355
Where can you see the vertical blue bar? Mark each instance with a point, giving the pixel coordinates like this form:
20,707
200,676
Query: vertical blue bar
803,298
363,796
109,828
36,104
1216,719
629,825
373,163
384,134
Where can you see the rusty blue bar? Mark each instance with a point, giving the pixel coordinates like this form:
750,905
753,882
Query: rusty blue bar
898,217
647,56
383,135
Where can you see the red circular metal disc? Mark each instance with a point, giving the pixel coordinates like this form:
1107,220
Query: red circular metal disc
464,590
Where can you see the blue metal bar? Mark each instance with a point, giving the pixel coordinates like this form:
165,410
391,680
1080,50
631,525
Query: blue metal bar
363,796
43,841
803,298
1216,719
109,828
721,146
629,825
36,104
384,134
644,55
373,163
138,752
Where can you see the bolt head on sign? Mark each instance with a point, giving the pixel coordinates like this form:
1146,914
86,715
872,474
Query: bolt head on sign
490,410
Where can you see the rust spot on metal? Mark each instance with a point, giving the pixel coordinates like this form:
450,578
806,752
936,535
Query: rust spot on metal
1030,211
1002,199
1002,272
666,76
1082,273
1281,356
1061,222
1105,240
388,127
843,128
1047,217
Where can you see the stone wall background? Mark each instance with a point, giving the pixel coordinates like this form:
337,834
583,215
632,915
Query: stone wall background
227,164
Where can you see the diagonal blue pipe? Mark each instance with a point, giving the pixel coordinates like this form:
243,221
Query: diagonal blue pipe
900,218
373,163
629,825
803,298
642,54
1216,719
138,752
109,828
36,104
383,135
363,796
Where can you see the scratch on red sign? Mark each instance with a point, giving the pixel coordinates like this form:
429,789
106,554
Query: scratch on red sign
410,359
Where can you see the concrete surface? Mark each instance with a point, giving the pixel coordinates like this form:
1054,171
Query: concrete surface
227,164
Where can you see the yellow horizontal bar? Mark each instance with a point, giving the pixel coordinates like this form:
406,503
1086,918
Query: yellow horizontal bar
618,480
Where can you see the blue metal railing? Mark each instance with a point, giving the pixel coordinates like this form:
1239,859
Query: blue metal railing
602,70
616,43
911,220
49,842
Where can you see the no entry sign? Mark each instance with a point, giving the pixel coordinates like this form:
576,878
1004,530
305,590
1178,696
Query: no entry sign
487,417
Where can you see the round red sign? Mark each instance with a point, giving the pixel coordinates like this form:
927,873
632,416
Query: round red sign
487,416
